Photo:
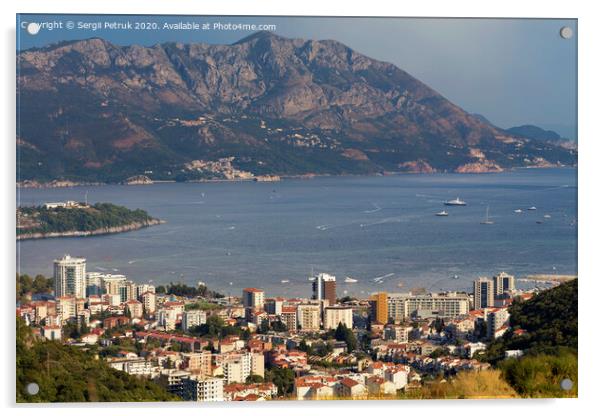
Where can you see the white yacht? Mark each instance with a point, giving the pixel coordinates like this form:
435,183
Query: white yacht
455,202
518,211
350,280
442,214
532,209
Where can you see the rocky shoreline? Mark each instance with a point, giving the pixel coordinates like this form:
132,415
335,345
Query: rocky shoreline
414,167
102,231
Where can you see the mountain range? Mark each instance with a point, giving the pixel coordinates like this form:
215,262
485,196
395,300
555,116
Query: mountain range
90,110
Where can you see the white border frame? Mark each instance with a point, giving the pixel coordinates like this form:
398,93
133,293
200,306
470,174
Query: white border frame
589,194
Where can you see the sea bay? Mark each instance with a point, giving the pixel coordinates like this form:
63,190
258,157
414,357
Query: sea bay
380,230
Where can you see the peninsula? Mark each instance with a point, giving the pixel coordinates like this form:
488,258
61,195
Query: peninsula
76,219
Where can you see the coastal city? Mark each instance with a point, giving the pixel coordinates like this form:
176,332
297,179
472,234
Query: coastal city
200,345
295,208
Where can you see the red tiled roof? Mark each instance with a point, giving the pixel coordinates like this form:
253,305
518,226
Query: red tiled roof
169,304
347,382
377,380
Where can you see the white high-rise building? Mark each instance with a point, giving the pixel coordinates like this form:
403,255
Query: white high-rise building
237,367
333,315
112,283
253,298
201,389
324,288
447,305
143,288
149,301
308,316
193,318
70,276
496,318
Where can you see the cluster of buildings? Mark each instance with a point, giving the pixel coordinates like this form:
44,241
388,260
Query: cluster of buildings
222,167
400,337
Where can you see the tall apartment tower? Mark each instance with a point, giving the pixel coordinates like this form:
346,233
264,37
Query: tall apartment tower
308,316
503,283
483,290
324,287
112,283
93,284
379,308
70,277
253,298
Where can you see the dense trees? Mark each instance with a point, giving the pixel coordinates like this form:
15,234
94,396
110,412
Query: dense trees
343,333
549,320
279,326
254,378
95,217
181,289
212,327
549,342
68,374
202,305
283,378
540,375
216,328
26,285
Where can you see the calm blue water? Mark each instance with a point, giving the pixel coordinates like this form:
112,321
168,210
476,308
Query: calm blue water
239,234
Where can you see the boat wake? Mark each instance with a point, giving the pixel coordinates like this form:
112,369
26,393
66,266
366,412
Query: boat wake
380,279
372,211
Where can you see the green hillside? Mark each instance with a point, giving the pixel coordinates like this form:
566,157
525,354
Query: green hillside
68,374
549,343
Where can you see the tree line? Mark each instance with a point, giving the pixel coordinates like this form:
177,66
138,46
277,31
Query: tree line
95,217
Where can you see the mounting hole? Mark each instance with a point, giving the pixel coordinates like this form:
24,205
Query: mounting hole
33,28
566,384
566,32
32,389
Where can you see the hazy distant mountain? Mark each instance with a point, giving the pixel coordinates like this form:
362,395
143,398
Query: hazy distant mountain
537,133
533,132
97,111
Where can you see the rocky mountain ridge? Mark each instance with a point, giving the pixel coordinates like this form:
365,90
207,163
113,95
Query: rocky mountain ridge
91,110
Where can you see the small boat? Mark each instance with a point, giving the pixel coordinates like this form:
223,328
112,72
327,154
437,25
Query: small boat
518,211
547,216
442,214
487,221
283,281
455,277
539,222
532,209
350,280
455,202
